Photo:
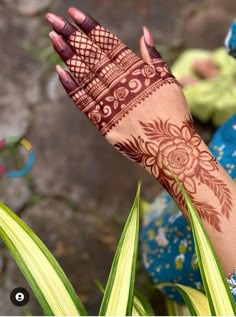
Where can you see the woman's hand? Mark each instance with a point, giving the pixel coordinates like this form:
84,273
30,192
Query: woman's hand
114,87
138,106
136,103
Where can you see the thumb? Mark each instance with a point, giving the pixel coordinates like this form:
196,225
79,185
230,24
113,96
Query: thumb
148,51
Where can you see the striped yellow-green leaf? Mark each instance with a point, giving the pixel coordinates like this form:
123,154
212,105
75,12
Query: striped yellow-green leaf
141,306
216,287
176,309
118,295
196,301
47,280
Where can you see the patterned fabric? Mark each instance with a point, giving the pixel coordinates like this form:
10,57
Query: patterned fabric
223,146
232,284
166,238
230,41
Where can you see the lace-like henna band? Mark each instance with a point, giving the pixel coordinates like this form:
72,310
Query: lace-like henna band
125,94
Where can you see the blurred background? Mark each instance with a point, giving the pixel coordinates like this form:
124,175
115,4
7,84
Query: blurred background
80,190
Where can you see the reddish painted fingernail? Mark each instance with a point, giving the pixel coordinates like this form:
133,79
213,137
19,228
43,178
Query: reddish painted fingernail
148,36
56,22
77,15
58,42
62,73
68,83
61,47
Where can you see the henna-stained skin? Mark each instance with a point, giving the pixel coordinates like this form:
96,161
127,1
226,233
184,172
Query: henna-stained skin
179,148
67,81
138,106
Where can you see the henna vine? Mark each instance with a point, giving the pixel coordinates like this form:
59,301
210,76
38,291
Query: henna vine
178,148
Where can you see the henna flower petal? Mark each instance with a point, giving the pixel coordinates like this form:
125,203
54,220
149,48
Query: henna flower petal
175,189
186,133
191,167
152,149
155,170
150,161
207,165
206,161
196,140
184,147
168,149
205,156
189,185
174,130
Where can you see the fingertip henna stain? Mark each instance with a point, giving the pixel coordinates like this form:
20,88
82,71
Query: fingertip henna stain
67,81
55,21
61,25
149,43
148,36
61,47
77,15
84,21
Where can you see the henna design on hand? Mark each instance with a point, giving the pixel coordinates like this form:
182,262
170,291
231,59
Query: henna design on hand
126,91
112,80
122,93
167,145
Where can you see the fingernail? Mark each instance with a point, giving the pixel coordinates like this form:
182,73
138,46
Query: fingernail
68,83
56,22
148,36
62,73
77,15
57,41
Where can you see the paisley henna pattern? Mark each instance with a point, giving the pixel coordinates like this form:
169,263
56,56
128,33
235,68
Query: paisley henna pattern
167,147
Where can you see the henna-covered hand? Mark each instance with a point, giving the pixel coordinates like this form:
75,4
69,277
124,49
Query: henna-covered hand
137,104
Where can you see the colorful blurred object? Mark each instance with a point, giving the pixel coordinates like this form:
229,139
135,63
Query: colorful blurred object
230,41
211,96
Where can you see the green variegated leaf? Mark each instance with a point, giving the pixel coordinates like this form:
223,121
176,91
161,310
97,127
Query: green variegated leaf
118,295
196,301
47,280
141,306
176,309
216,287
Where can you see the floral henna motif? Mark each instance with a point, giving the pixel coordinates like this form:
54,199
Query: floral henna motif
220,189
126,93
208,213
171,148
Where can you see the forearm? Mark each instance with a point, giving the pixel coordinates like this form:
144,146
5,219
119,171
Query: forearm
214,199
160,143
139,108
